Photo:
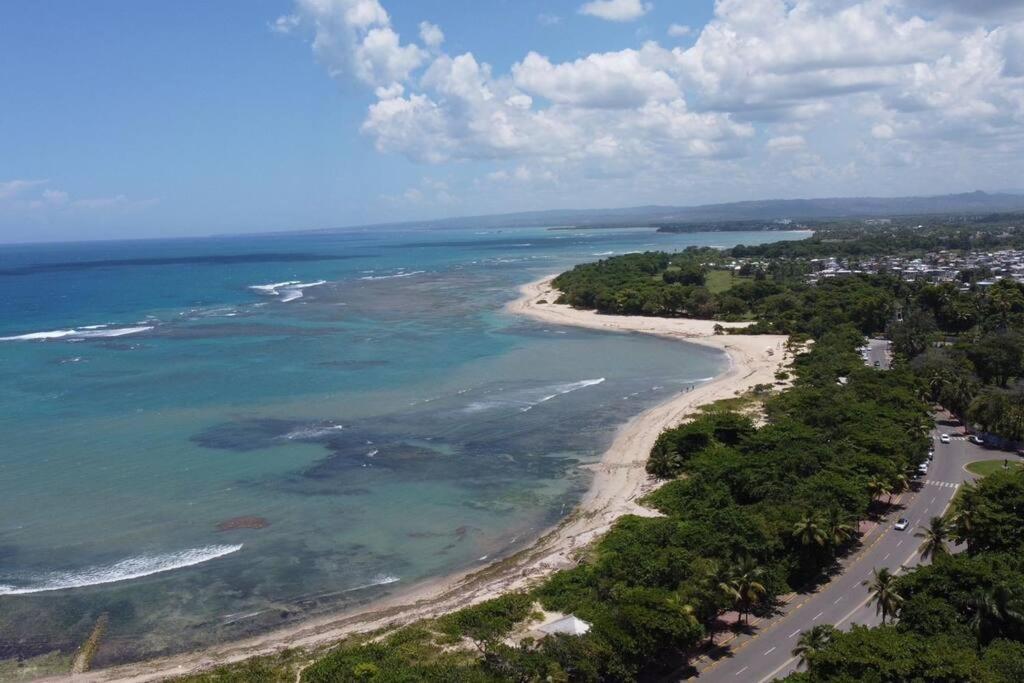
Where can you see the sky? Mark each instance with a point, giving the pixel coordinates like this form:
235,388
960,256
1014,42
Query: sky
125,119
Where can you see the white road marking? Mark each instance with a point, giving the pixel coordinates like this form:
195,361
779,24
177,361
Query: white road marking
768,652
742,670
793,633
838,600
886,557
900,543
817,615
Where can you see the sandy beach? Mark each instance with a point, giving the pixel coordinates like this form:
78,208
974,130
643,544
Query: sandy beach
619,481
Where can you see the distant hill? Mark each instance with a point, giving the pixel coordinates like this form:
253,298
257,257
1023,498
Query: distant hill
764,210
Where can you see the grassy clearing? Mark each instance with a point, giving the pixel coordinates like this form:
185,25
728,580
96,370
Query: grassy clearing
719,281
984,468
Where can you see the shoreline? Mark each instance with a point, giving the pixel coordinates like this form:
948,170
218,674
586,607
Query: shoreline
619,480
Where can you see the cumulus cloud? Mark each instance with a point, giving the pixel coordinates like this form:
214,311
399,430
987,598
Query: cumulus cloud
431,34
615,79
616,10
888,82
679,30
355,37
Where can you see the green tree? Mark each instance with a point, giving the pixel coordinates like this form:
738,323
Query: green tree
994,611
935,536
813,641
884,593
810,531
743,586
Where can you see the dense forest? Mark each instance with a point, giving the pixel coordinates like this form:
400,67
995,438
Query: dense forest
688,284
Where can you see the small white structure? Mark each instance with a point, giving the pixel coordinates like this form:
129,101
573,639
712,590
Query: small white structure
570,625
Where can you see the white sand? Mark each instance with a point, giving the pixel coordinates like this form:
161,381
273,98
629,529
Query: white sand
619,480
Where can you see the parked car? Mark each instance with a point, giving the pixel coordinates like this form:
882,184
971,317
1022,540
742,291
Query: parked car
945,438
931,455
922,468
974,438
902,524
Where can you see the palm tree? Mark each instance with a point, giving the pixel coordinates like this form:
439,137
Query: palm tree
839,529
992,610
743,586
809,531
935,536
899,484
677,604
964,515
883,593
813,641
877,488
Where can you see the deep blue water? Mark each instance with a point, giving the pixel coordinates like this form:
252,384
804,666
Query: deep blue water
381,415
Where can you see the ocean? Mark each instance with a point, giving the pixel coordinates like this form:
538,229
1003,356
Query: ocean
205,439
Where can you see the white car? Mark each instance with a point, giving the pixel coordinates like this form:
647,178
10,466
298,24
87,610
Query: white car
922,468
944,438
975,439
902,524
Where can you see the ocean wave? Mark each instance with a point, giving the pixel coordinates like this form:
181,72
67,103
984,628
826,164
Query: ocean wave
132,568
90,332
401,273
286,291
528,399
316,431
379,580
563,389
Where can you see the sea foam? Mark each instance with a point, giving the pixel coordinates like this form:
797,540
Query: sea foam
401,273
528,399
132,568
90,332
286,291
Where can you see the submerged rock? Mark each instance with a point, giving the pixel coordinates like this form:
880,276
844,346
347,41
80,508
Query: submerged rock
245,522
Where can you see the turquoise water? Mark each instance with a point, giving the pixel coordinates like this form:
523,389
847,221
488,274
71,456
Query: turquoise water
379,418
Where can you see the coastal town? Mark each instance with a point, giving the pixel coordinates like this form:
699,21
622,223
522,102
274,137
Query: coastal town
974,268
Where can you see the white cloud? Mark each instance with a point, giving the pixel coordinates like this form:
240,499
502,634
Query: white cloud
36,195
616,10
786,143
9,189
679,30
882,131
355,37
431,35
615,79
843,93
545,19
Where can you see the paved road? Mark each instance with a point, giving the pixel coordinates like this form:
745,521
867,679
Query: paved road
843,601
877,351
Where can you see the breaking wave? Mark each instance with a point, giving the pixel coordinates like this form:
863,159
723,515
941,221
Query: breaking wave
401,273
527,400
132,568
90,332
286,291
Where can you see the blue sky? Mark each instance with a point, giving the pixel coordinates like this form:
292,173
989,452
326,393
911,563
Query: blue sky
131,119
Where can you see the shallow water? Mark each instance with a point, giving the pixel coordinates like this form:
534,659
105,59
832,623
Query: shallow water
209,438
